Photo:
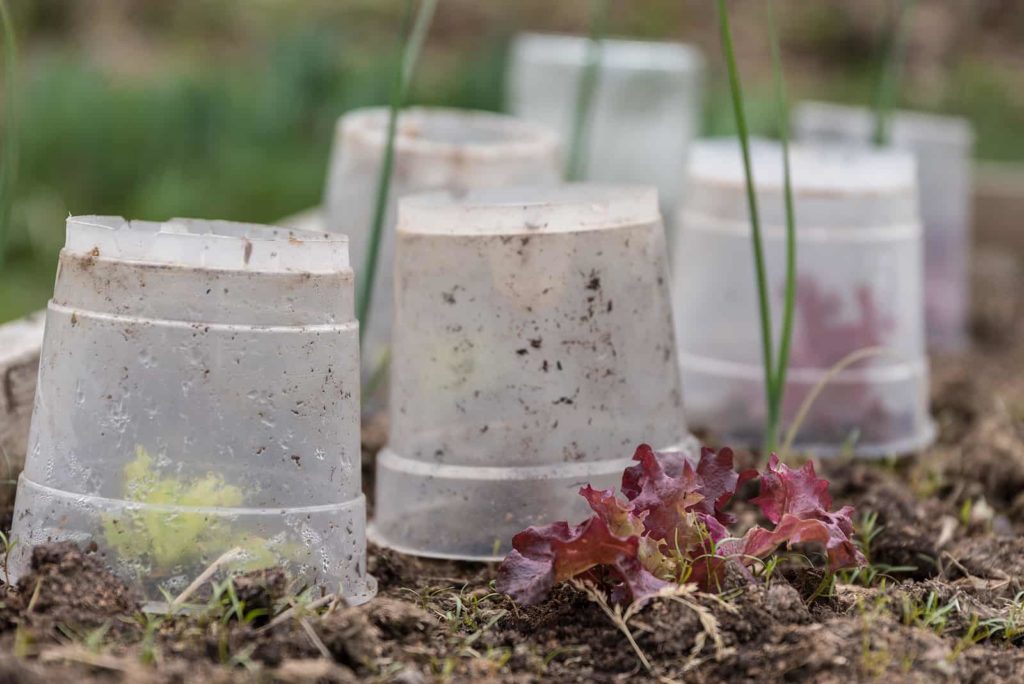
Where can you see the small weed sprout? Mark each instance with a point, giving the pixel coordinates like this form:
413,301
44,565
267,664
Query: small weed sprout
225,606
1009,627
151,623
966,511
932,614
91,640
871,573
975,633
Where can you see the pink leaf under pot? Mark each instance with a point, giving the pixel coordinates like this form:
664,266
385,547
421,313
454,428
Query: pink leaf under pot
942,146
859,287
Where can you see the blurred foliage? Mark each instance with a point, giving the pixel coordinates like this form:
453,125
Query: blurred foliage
225,108
225,143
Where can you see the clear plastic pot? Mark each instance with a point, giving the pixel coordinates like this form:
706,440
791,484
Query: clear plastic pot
646,109
859,286
435,150
533,351
198,393
942,145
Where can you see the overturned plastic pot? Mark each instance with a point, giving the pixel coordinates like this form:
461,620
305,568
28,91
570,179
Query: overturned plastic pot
435,149
942,146
859,287
646,108
533,351
198,400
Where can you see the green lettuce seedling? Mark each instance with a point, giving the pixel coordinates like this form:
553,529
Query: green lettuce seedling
171,538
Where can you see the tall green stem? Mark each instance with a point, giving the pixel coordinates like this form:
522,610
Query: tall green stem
587,87
9,163
892,71
772,421
782,363
412,45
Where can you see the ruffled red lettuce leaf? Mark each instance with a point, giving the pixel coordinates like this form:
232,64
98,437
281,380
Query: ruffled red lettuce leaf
544,556
672,528
785,490
622,518
798,502
718,482
666,478
662,498
528,572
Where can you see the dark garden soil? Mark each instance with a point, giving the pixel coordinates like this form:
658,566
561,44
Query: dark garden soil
943,598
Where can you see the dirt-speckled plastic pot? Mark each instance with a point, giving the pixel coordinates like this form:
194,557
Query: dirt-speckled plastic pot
533,351
199,393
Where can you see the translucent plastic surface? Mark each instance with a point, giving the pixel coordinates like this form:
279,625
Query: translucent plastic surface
858,287
199,392
942,146
533,351
435,149
646,108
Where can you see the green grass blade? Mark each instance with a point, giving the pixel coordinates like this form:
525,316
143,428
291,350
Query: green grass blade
577,159
892,71
413,39
9,159
789,302
755,223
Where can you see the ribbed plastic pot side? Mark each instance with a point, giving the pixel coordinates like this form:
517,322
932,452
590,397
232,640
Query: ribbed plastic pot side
198,393
859,286
533,351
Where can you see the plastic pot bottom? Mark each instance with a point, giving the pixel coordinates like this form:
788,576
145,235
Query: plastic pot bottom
471,513
162,548
874,413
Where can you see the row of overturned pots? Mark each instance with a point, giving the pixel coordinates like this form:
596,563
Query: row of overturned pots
199,391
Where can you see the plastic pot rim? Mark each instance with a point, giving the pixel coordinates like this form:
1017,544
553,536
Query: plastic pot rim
914,126
518,138
620,54
206,245
546,210
716,162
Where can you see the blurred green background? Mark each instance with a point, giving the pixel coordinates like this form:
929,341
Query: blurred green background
225,108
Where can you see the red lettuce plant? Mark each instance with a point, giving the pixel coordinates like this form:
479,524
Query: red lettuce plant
672,528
